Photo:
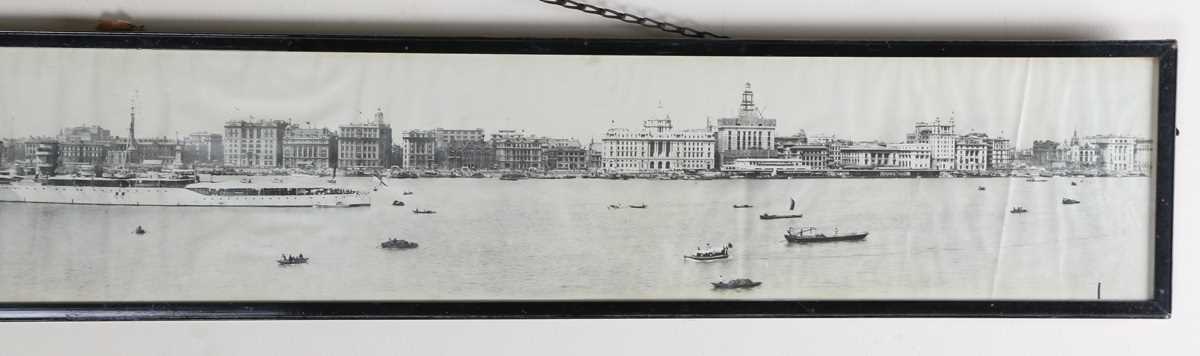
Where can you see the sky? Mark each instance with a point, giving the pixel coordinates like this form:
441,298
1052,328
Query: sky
177,92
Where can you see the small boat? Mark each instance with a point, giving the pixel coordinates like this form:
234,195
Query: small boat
981,188
809,234
419,211
292,260
1037,180
139,230
1068,201
639,206
408,193
396,244
1073,183
478,175
512,176
397,203
1018,210
614,206
739,283
766,216
742,206
710,254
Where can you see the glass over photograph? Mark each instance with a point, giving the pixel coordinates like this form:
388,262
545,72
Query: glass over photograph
187,175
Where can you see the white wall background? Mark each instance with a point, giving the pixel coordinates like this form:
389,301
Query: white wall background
841,19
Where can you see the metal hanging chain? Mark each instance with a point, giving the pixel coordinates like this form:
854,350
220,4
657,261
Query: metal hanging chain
633,19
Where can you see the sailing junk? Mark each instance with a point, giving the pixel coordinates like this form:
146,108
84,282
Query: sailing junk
809,234
768,216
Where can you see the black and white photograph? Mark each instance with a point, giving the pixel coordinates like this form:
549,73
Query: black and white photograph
166,175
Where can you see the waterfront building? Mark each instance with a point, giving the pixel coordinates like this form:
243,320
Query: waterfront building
75,153
1000,153
810,155
885,157
204,147
1115,153
658,146
254,143
595,155
1044,153
365,145
565,158
971,153
449,146
797,139
941,139
748,135
309,148
419,149
84,134
1143,156
469,154
516,150
397,155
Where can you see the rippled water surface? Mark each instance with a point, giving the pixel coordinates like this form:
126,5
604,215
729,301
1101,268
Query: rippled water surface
557,239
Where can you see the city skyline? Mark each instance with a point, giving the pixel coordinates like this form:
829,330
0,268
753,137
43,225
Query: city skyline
181,92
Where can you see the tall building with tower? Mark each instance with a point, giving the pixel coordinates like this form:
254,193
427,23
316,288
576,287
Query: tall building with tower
747,135
941,139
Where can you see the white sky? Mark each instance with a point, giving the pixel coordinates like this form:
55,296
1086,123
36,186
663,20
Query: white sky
44,89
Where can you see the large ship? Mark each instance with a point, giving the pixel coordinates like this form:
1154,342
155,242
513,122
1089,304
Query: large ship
174,189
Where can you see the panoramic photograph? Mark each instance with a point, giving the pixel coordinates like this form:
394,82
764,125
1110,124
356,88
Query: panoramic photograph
188,175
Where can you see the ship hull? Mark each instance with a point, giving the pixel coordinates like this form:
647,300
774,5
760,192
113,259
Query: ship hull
166,197
850,237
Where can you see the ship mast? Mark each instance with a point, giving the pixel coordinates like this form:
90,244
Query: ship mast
132,146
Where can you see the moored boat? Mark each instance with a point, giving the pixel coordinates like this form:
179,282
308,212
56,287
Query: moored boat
180,190
739,283
809,234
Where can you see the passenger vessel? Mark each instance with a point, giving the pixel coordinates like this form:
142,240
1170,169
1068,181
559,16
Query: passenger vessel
179,189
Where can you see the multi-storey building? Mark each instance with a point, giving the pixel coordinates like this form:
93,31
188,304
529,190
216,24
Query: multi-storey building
749,135
1045,153
1115,153
1000,153
897,156
565,158
470,154
1143,156
914,155
419,149
971,153
595,155
203,147
309,148
449,146
515,150
812,156
74,153
365,145
254,143
941,139
658,146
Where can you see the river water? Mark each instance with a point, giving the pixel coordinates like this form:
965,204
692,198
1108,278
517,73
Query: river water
557,239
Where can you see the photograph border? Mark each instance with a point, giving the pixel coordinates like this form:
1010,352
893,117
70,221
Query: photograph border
1164,51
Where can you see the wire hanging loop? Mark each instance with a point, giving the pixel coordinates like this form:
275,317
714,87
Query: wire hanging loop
633,19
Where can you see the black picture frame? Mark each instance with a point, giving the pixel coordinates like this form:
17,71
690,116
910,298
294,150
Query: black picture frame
1164,51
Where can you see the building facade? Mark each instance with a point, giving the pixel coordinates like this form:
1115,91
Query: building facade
941,139
419,150
309,148
814,156
84,134
254,143
749,135
450,146
204,147
971,153
365,146
517,151
658,146
565,158
1000,153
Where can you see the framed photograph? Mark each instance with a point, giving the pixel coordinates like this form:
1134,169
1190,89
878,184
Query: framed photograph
157,176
